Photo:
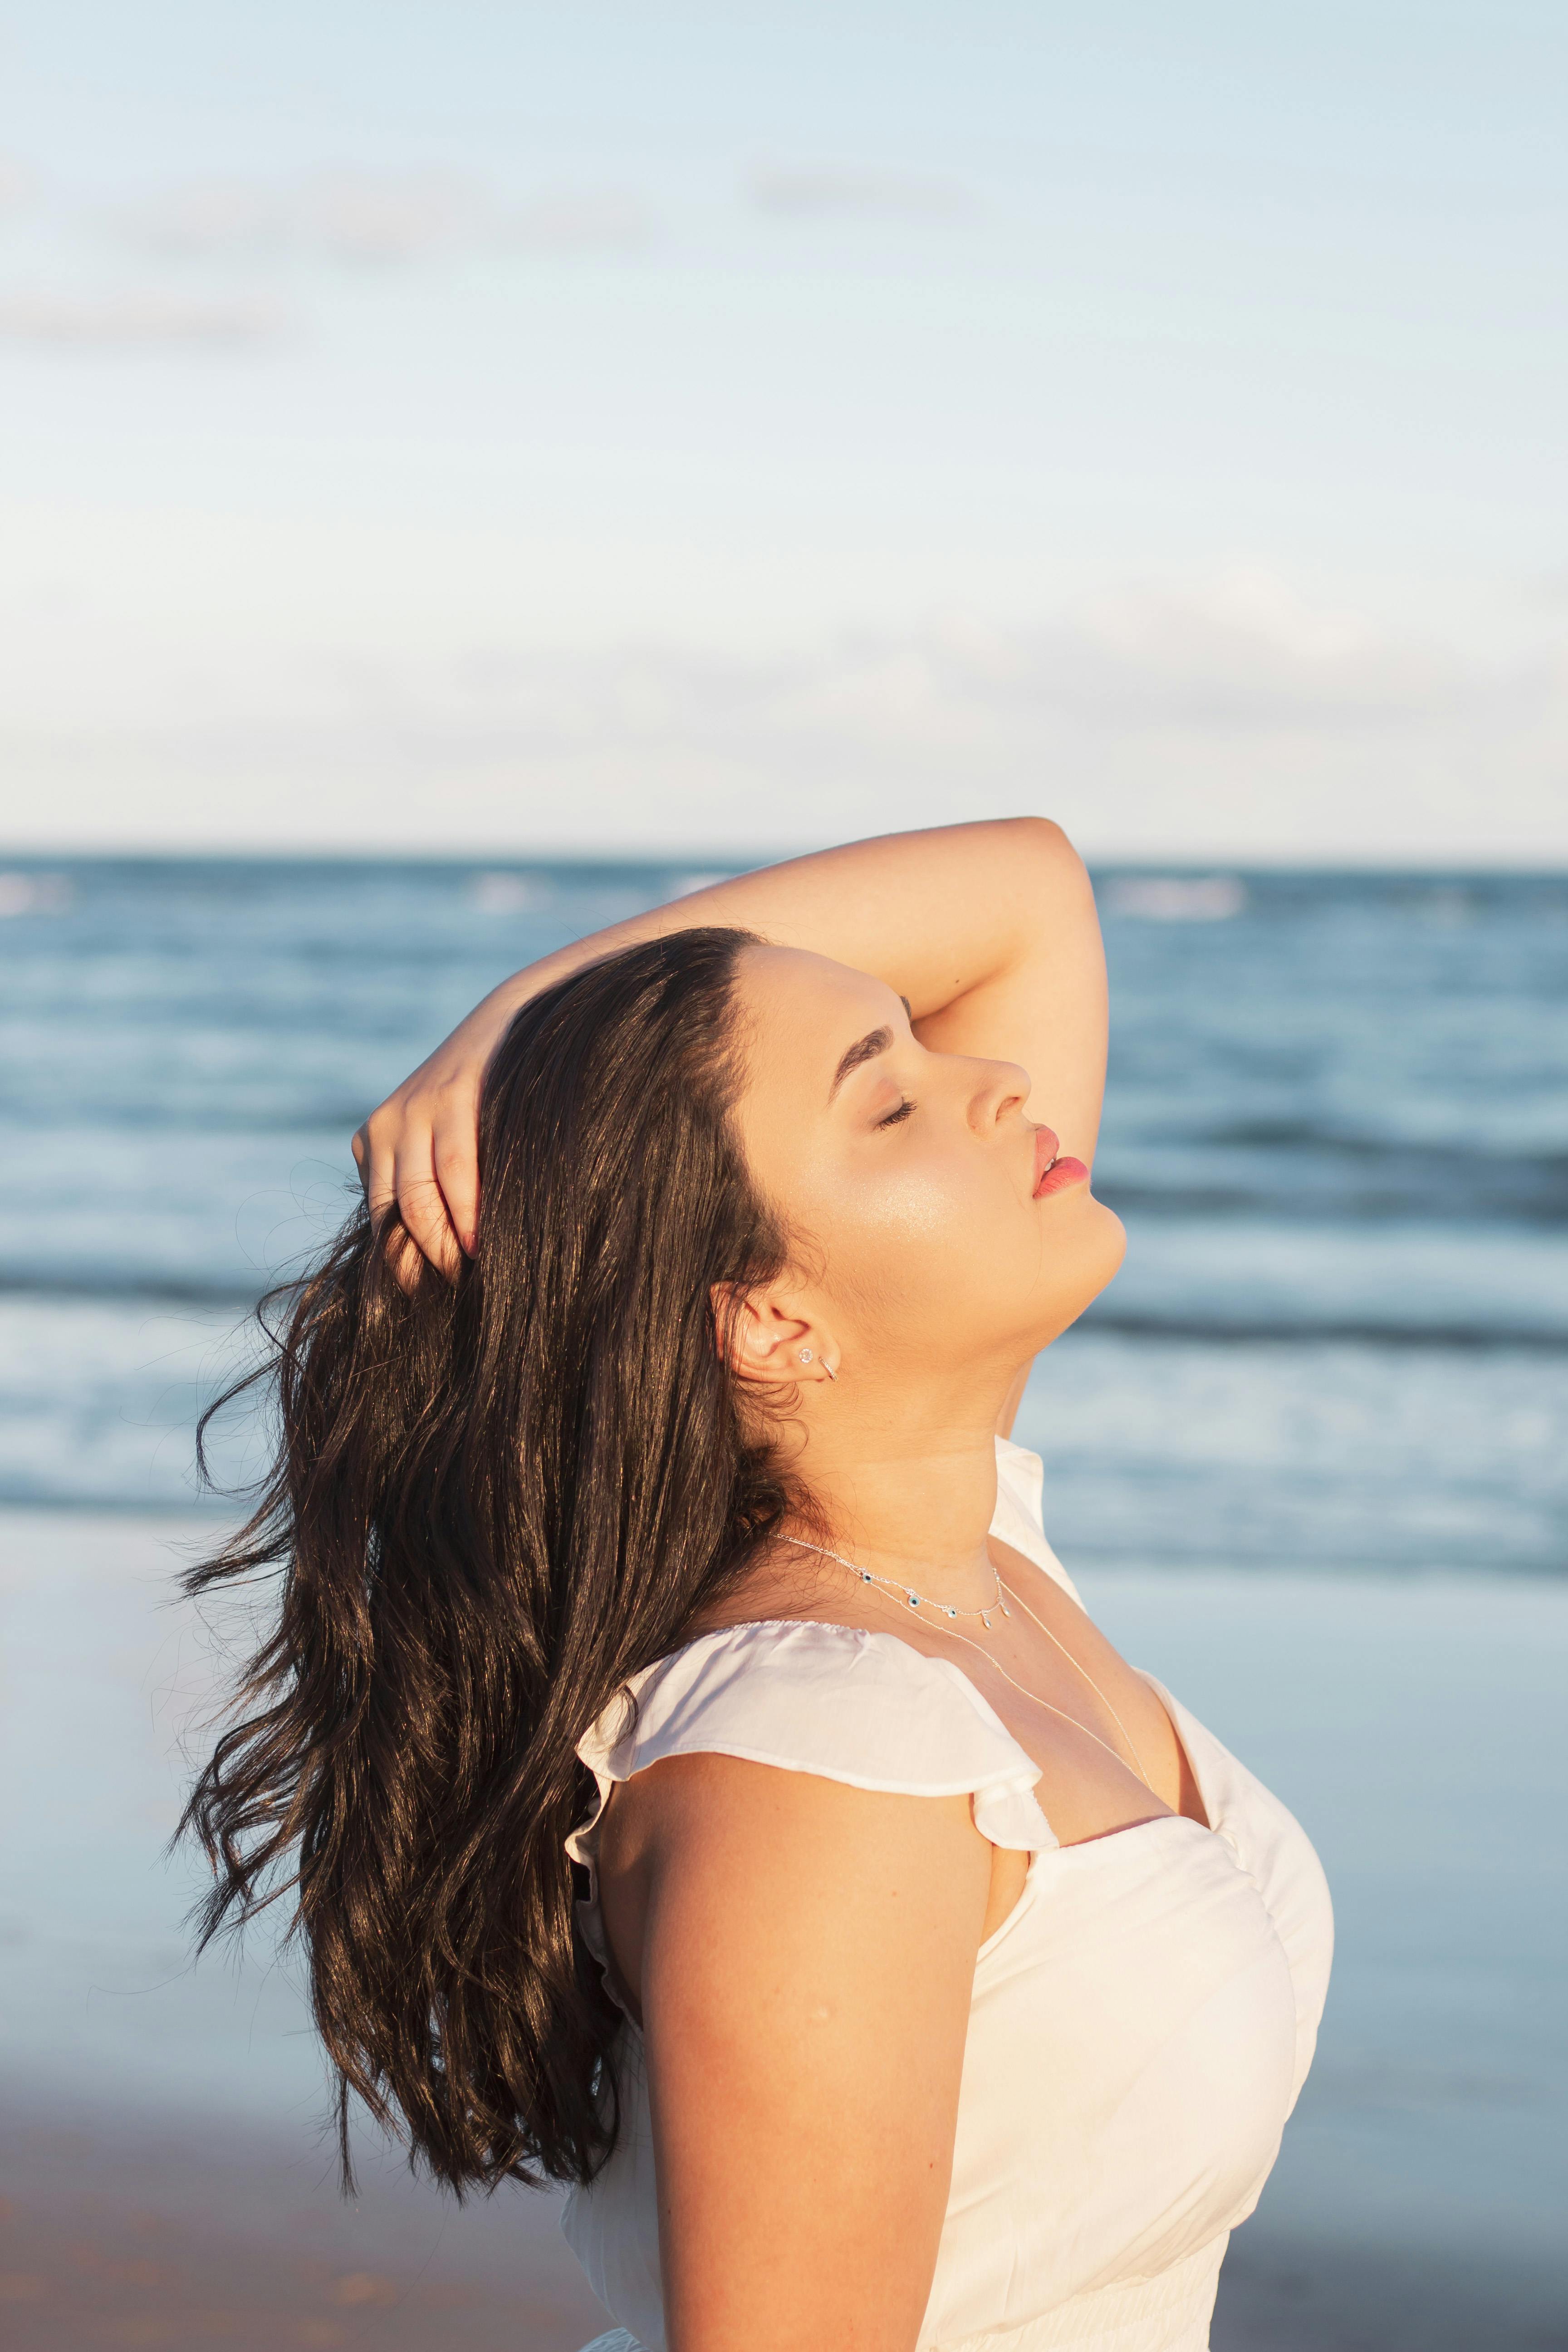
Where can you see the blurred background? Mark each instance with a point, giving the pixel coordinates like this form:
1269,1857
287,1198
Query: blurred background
470,472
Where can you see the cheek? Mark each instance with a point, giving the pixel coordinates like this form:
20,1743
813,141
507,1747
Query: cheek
927,1204
941,1249
933,1233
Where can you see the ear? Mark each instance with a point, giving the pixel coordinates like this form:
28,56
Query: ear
769,1339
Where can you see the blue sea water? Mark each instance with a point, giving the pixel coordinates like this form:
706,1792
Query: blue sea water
1337,1127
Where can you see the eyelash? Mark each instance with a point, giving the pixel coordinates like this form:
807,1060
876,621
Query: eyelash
895,1118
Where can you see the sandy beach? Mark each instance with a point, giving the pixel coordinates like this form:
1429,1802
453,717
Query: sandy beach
145,2226
162,2157
142,2227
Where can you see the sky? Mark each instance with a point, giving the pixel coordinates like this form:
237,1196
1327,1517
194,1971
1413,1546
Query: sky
455,427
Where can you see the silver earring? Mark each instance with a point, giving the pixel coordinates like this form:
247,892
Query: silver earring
805,1355
829,1370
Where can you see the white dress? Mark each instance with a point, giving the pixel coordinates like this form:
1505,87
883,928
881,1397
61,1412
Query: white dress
1141,2022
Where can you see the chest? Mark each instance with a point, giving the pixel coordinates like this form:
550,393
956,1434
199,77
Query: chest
1107,1750
1131,2062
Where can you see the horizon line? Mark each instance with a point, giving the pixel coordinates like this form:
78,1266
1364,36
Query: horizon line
726,861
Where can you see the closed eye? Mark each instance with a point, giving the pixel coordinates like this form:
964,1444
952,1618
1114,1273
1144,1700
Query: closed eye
895,1118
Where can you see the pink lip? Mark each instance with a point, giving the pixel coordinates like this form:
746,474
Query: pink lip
1066,1170
1054,1169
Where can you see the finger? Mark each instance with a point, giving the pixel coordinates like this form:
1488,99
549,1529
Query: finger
405,1260
454,1156
377,1169
424,1213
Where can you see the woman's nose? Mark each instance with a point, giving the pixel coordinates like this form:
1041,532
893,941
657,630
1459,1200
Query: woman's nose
1004,1087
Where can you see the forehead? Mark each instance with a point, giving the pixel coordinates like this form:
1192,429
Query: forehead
800,1011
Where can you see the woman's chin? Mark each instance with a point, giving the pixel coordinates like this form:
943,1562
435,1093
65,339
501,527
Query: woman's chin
1115,1233
1099,1245
1110,1239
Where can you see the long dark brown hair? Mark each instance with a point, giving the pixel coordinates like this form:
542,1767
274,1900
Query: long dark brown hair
491,1502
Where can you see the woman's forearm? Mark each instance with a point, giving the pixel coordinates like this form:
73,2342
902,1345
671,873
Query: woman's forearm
937,914
989,930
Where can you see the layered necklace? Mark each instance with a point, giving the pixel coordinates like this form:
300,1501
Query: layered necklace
886,1587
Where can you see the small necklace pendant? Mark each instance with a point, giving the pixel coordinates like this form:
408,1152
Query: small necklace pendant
985,1621
1005,1611
915,1601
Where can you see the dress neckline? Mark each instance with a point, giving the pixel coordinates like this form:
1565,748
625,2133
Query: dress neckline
972,1691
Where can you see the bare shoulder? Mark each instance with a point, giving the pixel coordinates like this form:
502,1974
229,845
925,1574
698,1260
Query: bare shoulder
768,1836
712,1867
806,1967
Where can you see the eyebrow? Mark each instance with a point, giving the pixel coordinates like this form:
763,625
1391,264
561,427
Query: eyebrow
864,1049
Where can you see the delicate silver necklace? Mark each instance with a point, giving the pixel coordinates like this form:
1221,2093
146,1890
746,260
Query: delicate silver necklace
917,1601
914,1600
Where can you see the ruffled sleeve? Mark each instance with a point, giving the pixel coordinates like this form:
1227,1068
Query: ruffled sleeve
864,1708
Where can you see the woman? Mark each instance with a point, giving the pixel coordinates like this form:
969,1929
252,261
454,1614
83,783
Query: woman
706,1786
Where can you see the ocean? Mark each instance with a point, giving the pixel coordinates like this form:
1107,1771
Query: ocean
1336,1126
1306,1457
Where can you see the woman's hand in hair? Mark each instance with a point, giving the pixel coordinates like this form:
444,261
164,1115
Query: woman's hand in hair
418,1152
988,930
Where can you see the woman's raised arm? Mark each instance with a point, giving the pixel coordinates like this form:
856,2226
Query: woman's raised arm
989,930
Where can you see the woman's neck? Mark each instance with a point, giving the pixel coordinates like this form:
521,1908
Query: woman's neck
909,1503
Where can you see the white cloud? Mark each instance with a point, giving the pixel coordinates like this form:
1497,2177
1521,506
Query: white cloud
373,219
1213,727
350,219
357,217
1237,658
813,193
131,320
